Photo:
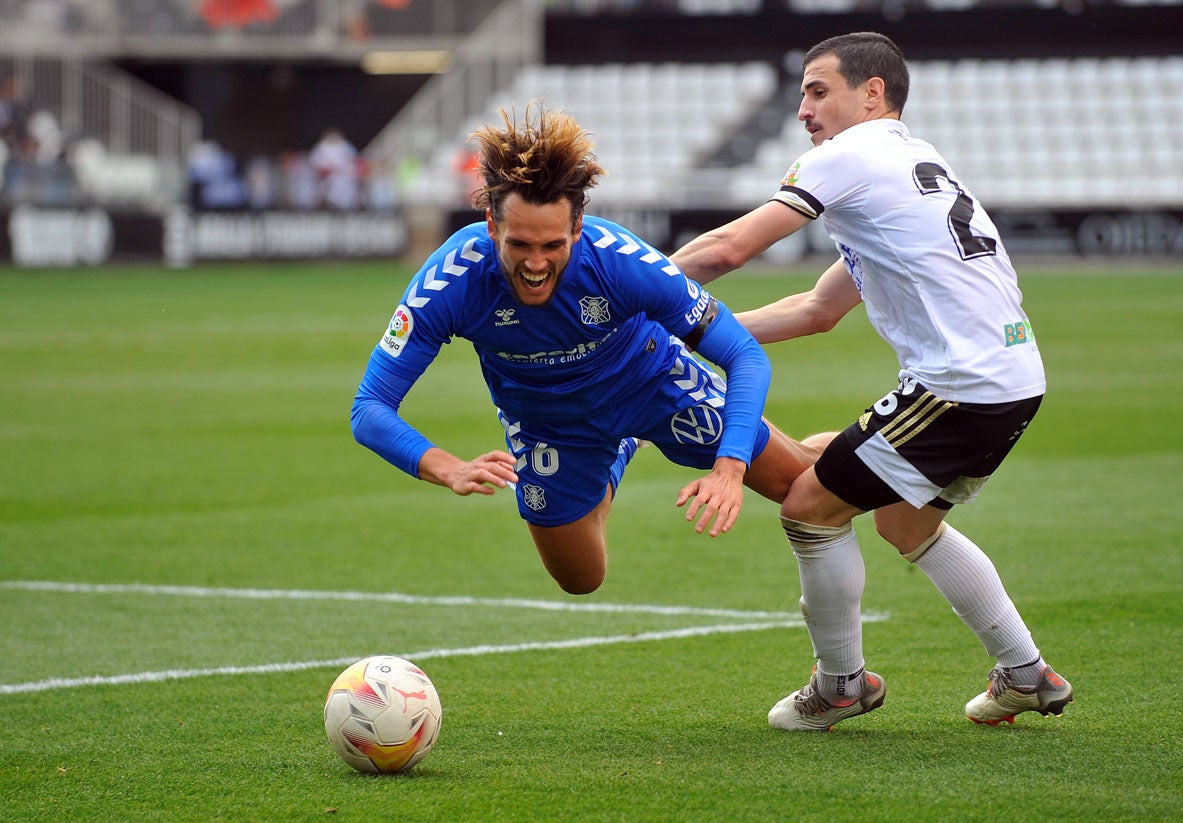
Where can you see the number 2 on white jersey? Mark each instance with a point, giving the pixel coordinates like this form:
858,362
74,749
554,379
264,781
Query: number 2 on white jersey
969,245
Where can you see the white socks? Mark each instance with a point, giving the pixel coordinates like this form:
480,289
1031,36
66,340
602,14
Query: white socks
832,573
965,576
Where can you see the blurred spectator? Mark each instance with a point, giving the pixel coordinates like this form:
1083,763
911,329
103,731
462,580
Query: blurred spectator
355,16
261,184
336,163
19,170
57,184
381,186
16,182
333,175
467,167
51,178
220,14
46,136
213,178
301,188
14,112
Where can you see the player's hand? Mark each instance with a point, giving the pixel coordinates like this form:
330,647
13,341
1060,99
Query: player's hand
483,475
717,498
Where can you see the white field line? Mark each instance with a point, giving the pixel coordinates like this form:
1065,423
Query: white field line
387,597
779,620
470,651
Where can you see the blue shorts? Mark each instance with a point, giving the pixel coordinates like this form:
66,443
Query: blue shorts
564,469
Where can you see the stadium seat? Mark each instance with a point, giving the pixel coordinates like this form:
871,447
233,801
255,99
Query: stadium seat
1021,133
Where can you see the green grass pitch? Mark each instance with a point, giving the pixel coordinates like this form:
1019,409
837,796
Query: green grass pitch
174,441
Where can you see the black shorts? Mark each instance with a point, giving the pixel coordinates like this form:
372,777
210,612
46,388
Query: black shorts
914,446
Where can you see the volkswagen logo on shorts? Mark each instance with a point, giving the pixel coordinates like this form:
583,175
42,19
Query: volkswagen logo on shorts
700,425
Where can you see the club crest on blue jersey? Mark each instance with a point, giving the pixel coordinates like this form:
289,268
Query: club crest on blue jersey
401,325
593,311
534,497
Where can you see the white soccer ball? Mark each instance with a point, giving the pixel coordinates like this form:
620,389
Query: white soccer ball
382,715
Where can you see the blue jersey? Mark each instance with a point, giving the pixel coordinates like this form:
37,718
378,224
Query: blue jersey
615,322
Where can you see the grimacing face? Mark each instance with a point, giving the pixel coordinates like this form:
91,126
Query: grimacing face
534,244
828,105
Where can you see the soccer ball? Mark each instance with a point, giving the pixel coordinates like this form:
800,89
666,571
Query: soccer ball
382,715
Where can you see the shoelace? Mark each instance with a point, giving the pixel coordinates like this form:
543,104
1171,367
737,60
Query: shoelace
1000,681
812,702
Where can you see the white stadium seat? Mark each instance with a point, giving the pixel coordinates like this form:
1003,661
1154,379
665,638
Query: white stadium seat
1021,133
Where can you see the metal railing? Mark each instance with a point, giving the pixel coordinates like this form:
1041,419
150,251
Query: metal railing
486,62
136,139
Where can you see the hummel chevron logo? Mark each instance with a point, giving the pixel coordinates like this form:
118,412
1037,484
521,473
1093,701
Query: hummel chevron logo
607,239
695,380
432,282
468,254
653,256
630,245
512,430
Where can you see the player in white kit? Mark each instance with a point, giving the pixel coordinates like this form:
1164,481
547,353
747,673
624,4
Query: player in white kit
919,252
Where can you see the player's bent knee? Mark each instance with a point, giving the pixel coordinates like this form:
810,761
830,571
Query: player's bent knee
810,536
820,440
575,577
914,555
579,585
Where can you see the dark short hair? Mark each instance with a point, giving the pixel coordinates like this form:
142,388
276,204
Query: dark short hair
545,158
866,54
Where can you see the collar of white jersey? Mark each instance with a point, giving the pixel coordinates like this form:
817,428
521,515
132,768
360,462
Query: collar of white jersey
871,128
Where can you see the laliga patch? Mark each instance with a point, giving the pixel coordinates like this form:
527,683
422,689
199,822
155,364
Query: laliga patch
399,331
792,175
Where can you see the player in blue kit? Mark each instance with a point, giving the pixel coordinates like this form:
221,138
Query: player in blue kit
584,335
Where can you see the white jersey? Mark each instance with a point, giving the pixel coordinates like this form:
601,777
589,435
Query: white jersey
936,281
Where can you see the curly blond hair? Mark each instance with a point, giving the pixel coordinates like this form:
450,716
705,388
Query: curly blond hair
546,158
